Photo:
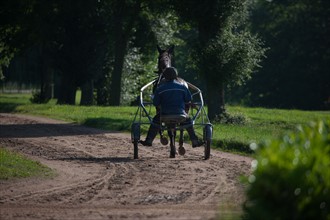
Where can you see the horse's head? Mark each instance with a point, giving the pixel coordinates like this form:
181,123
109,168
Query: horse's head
164,61
164,58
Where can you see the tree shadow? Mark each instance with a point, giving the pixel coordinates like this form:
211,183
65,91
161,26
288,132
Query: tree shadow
108,123
89,126
100,159
232,145
46,130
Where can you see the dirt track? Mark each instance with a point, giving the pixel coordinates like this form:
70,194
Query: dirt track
98,179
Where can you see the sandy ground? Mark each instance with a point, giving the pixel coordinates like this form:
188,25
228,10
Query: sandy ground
97,177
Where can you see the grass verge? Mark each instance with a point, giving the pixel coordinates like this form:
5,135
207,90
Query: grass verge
15,165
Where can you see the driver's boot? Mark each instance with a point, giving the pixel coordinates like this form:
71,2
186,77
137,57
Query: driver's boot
193,137
152,132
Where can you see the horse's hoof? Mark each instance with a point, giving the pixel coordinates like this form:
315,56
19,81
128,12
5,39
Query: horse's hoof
164,141
182,151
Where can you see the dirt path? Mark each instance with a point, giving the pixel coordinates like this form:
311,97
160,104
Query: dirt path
98,179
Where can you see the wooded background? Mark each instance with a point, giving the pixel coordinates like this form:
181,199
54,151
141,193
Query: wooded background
257,52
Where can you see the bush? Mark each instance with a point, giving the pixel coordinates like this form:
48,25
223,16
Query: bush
39,98
291,176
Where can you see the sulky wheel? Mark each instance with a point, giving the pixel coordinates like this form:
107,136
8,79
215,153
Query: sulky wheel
135,133
207,149
136,149
207,136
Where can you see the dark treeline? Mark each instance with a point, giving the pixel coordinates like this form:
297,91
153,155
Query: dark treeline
296,72
107,48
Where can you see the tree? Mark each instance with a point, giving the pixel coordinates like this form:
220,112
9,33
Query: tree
81,39
70,38
130,49
137,27
226,52
296,71
124,15
25,33
10,26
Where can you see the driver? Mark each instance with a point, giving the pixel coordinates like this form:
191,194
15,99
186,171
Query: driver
172,96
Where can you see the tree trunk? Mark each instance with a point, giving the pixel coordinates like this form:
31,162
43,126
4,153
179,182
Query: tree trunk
48,83
123,22
120,42
67,91
216,100
87,95
46,79
215,88
120,50
46,75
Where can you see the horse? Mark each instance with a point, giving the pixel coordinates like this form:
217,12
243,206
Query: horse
164,61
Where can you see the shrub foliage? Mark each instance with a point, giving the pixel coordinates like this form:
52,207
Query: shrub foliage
39,98
291,176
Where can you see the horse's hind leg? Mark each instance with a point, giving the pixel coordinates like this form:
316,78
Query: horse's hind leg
181,149
181,138
171,134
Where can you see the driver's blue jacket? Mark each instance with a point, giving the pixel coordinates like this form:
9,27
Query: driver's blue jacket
171,96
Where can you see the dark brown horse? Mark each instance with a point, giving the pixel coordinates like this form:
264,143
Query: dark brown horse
165,61
165,58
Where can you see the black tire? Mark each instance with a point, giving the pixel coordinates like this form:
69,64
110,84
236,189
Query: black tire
207,149
136,149
207,136
135,135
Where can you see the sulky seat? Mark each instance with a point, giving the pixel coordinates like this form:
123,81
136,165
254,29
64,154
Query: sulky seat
173,119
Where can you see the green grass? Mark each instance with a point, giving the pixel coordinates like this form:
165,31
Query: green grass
262,124
15,165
